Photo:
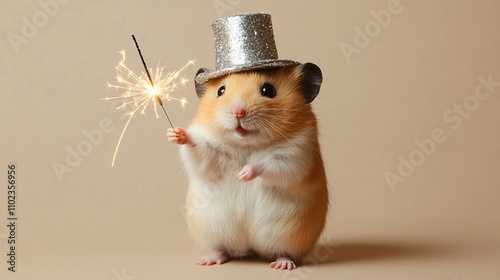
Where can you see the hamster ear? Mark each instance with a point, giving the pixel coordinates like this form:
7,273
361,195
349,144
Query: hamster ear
200,88
311,79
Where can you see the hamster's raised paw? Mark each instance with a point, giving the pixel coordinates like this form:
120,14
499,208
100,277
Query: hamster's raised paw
249,172
178,136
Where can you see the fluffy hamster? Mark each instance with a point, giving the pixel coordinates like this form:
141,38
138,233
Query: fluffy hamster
257,181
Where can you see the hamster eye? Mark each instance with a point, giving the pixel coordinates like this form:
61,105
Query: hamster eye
268,90
221,91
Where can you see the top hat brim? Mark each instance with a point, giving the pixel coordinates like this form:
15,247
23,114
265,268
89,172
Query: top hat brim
204,76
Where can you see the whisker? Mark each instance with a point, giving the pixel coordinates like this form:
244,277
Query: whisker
276,129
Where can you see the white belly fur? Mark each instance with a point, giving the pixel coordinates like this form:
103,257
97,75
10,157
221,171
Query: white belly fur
226,214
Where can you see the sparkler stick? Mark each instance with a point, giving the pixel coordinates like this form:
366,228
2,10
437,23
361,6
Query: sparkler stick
144,90
157,97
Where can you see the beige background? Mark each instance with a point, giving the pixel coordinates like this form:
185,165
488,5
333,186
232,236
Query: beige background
126,222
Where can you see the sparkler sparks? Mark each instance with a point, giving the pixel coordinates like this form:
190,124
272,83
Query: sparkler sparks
144,90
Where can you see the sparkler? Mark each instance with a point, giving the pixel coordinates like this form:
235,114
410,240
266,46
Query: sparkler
157,97
145,90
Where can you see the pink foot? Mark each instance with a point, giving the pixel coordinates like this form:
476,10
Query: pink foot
283,263
249,172
178,136
211,260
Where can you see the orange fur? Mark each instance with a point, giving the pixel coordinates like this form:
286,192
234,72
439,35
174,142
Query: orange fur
282,205
293,113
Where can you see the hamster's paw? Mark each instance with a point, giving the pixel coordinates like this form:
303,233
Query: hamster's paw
249,172
283,263
211,260
178,136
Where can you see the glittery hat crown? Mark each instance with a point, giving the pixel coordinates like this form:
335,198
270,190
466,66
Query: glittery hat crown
243,42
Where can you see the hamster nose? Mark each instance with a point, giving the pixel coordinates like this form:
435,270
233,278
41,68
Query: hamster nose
238,112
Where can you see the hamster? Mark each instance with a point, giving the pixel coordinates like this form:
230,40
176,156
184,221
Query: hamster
256,177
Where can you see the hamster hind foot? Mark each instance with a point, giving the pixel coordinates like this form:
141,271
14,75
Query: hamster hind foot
283,263
221,258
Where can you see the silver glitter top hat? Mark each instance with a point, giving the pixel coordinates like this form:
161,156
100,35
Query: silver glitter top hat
243,42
